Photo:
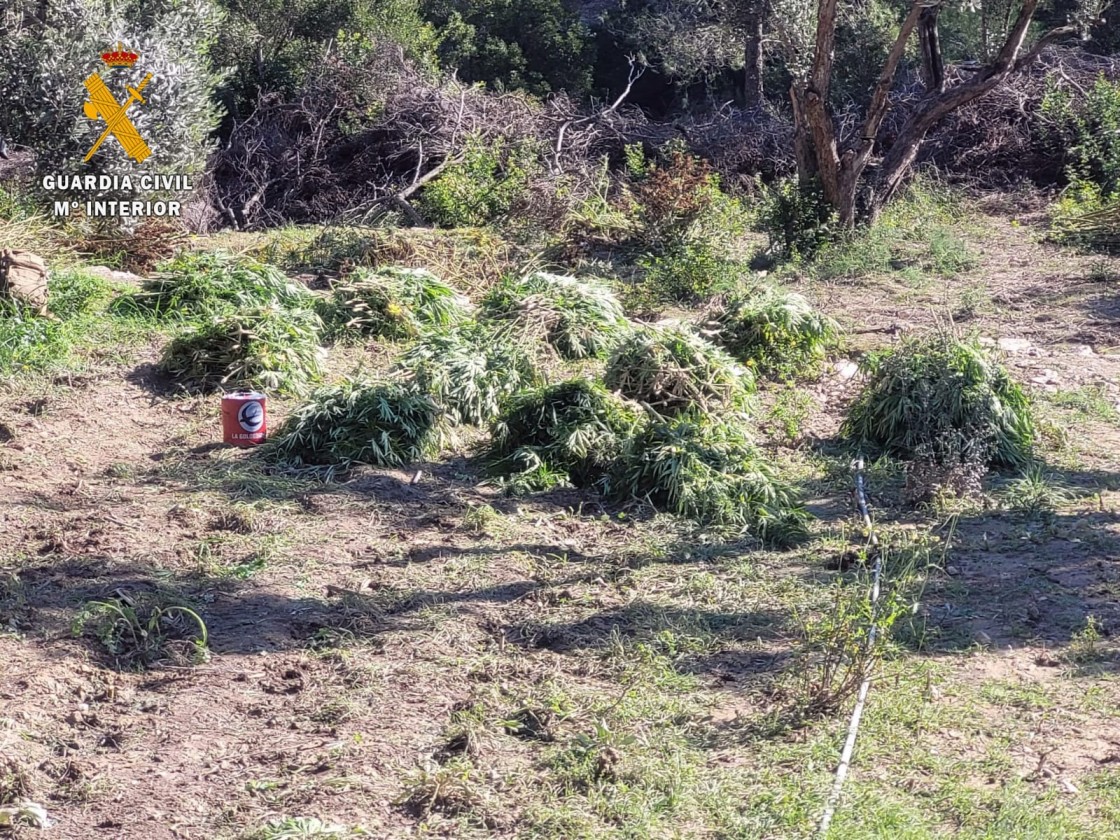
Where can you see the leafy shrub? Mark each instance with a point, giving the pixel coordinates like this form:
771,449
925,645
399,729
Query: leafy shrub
774,331
672,196
539,46
470,371
672,369
942,399
383,424
796,218
143,629
707,469
266,347
481,187
574,430
688,272
205,284
579,319
396,302
1084,131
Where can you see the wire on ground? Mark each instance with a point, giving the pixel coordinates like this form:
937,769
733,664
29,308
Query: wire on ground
861,699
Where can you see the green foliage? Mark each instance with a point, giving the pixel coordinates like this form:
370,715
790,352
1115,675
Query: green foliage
796,218
575,430
671,369
29,341
1034,492
579,318
773,331
1084,131
42,66
395,303
941,399
303,828
481,187
74,292
539,46
265,347
195,284
469,370
356,422
708,469
141,630
688,272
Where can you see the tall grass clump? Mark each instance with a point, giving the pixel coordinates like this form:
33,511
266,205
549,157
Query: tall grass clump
355,422
469,370
942,399
195,284
707,469
395,303
571,432
672,369
578,318
267,347
29,341
74,292
775,332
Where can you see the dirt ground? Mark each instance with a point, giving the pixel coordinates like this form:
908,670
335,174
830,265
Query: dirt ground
354,626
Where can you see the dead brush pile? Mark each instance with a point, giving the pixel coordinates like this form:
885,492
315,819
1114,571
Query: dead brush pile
571,433
672,369
394,303
265,347
579,319
357,422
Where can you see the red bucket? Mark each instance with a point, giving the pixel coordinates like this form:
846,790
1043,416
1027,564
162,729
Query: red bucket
244,418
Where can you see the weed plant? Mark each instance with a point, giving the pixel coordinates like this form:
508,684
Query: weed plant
775,332
141,630
942,398
707,469
672,369
579,319
469,370
394,303
196,284
267,347
571,432
384,424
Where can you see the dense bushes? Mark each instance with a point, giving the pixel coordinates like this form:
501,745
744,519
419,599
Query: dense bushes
944,400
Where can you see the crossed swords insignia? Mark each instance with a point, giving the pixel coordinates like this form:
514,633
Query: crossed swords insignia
103,105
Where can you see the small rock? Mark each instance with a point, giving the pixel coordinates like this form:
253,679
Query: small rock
1067,786
952,571
982,638
1046,377
1086,350
846,369
1014,345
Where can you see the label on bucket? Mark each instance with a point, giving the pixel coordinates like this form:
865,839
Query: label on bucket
251,416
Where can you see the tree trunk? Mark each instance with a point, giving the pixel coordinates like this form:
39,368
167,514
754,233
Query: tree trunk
840,167
753,94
